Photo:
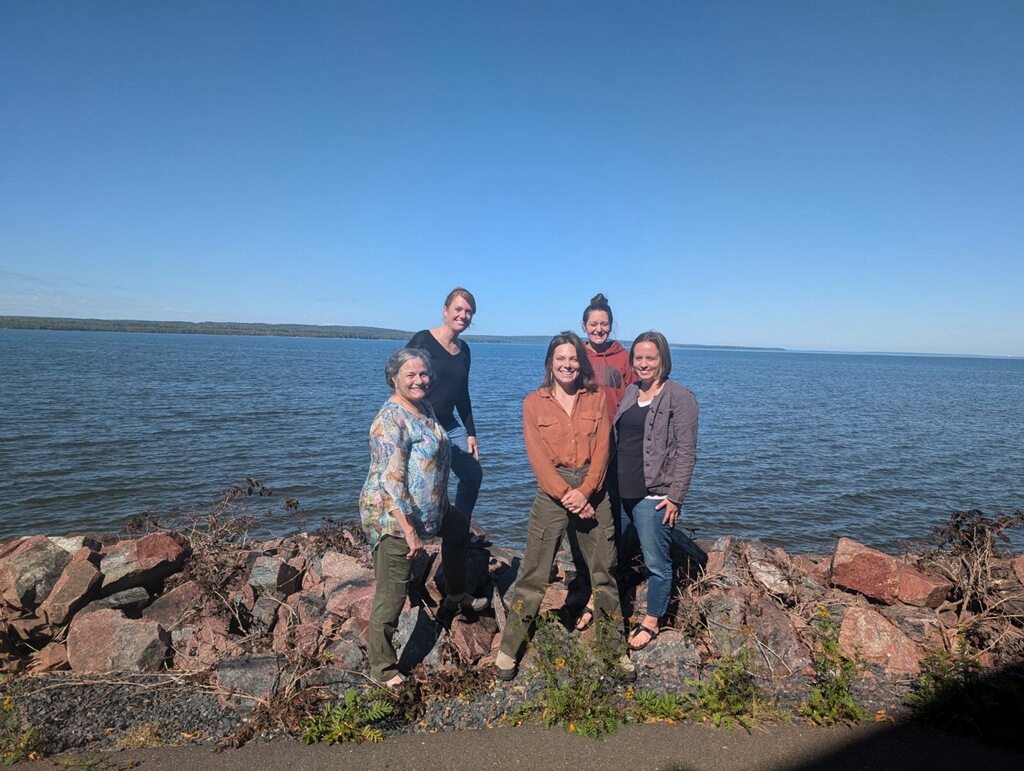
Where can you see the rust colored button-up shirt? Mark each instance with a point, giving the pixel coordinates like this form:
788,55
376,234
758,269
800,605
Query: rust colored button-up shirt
555,439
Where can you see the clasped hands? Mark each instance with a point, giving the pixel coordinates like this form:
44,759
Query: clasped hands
577,503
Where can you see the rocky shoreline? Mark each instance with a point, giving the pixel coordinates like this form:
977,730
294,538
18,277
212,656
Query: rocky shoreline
200,636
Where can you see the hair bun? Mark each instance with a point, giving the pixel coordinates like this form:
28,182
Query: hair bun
599,299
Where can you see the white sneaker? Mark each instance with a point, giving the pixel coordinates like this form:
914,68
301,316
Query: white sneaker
625,670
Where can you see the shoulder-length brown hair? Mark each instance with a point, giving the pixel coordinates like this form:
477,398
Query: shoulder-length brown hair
585,379
663,352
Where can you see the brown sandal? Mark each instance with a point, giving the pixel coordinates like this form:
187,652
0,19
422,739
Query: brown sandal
585,620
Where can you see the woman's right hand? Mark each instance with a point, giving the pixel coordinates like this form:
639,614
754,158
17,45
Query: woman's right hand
415,544
412,538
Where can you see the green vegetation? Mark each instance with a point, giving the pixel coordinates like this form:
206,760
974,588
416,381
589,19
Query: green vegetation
16,741
353,719
202,328
577,694
831,699
647,706
731,696
955,693
142,736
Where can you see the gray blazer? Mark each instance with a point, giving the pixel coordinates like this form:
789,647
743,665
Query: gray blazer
670,439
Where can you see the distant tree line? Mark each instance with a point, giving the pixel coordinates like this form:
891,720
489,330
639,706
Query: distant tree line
202,328
264,330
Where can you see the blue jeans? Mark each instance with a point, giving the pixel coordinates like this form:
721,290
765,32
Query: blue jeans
656,540
467,469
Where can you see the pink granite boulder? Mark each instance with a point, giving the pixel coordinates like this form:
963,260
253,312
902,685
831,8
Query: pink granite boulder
143,562
173,608
107,641
75,587
884,578
867,634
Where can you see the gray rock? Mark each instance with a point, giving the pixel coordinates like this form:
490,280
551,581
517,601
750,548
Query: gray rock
273,577
253,677
30,570
131,601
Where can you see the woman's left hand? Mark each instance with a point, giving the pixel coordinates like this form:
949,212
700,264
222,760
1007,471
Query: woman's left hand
671,512
471,445
574,501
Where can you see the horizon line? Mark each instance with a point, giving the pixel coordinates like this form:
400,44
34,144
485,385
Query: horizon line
277,329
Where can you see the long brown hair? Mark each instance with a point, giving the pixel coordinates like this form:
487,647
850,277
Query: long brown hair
585,379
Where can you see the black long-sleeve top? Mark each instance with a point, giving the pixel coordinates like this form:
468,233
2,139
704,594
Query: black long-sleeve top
449,389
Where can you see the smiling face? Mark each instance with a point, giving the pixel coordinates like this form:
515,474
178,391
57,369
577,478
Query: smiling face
598,328
412,381
565,365
646,362
458,314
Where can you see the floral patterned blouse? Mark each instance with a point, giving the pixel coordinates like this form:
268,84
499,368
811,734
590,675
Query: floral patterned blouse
409,462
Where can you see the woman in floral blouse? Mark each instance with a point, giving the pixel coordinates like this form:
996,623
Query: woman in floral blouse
404,502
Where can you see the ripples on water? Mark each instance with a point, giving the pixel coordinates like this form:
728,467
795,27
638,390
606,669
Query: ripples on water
795,448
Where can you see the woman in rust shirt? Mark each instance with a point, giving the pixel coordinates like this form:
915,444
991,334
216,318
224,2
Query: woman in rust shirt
565,427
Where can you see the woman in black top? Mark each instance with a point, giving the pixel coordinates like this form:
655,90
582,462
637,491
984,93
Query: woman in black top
450,391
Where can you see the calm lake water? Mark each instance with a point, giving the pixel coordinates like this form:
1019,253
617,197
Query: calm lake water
794,448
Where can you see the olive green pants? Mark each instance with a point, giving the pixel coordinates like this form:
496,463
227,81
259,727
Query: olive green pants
392,571
548,522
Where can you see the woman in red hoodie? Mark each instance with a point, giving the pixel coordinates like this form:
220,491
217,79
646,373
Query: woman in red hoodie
608,358
612,373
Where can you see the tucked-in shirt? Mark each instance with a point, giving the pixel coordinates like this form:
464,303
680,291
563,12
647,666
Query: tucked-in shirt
556,439
449,389
409,462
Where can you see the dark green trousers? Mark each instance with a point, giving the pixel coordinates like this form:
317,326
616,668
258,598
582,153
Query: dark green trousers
391,571
548,523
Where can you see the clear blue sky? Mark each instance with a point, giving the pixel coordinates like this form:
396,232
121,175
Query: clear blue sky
810,175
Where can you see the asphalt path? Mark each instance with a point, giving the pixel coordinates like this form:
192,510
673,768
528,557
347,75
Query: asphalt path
659,747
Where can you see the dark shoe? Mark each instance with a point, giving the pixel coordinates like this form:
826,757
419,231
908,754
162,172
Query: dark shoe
651,634
466,603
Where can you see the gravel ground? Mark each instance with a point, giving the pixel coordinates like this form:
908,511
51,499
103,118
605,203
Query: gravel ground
75,712
104,712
